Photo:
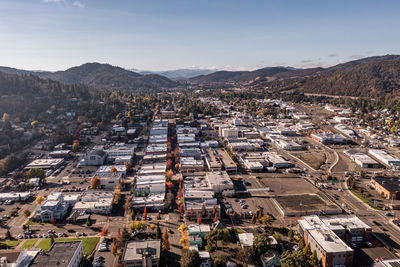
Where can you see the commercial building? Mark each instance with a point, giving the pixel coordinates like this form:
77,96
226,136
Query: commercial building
330,249
220,183
246,239
15,196
149,184
109,180
94,158
228,164
190,164
120,151
53,208
345,130
213,161
167,114
141,253
156,149
388,187
288,144
45,164
254,162
328,138
362,159
153,169
276,160
68,254
384,157
229,133
197,233
196,199
63,154
98,202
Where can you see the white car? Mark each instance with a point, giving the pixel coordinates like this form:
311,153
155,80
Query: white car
20,236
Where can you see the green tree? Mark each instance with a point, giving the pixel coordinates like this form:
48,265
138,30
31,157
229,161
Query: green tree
27,213
220,261
203,211
190,258
261,243
89,221
301,243
291,234
254,219
158,231
36,173
313,259
287,259
8,235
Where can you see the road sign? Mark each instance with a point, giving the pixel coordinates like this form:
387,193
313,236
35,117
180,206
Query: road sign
334,181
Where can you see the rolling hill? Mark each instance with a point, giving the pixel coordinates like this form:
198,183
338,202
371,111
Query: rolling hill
237,76
101,76
371,77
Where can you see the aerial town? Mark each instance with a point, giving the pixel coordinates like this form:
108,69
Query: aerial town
212,133
211,183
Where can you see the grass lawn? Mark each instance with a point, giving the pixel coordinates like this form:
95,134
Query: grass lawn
89,243
10,243
35,223
364,199
239,231
29,243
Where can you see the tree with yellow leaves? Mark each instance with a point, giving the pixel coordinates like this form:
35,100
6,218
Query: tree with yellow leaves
169,174
39,200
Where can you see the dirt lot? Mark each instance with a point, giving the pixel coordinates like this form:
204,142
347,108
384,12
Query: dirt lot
288,186
304,203
312,158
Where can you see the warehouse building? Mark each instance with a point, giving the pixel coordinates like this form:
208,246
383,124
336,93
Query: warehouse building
384,157
362,159
387,187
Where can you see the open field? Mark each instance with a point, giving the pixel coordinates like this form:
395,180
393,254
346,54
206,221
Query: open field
313,158
288,186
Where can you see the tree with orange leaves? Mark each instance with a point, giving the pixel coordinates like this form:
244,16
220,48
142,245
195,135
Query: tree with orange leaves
119,234
191,213
169,185
95,182
214,210
199,219
165,240
145,213
180,208
215,218
114,248
113,170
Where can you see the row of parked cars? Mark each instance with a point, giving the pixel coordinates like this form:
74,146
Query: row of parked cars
98,262
104,245
51,233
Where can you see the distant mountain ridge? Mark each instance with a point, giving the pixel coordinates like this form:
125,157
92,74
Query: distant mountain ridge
374,77
179,74
238,76
101,76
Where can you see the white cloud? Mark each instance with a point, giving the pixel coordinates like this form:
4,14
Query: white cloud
78,4
51,1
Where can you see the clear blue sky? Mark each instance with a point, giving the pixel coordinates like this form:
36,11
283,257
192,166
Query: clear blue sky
170,34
